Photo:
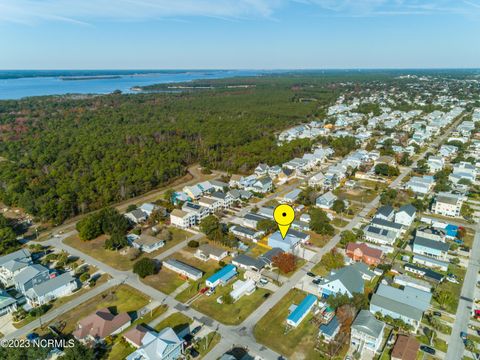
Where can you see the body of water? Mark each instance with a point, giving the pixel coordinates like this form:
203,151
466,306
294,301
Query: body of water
16,84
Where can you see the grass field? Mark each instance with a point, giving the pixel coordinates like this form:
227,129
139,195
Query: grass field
230,314
207,343
115,259
299,342
177,321
165,281
122,298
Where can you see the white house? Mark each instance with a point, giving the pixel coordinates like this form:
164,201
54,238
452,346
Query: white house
405,215
366,332
58,286
11,264
448,204
182,219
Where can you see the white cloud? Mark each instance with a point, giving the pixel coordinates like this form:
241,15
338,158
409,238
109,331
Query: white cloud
90,11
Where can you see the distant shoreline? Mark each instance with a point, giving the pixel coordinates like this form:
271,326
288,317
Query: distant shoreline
81,78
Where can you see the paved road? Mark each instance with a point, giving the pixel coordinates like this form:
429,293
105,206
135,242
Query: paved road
464,310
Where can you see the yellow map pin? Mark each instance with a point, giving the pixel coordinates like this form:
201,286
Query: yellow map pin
284,216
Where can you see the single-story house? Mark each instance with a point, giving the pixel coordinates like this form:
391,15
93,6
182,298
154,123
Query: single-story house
7,303
183,269
379,236
291,241
137,216
430,262
426,273
207,252
405,348
222,276
301,310
241,287
148,243
245,232
405,280
102,323
248,263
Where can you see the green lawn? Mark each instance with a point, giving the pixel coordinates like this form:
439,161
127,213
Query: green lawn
298,343
440,344
122,298
120,349
177,321
452,288
165,281
230,314
339,222
207,343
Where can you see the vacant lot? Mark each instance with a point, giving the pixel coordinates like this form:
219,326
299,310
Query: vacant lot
115,259
177,321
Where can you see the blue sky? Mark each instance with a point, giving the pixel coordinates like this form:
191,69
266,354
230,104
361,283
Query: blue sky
253,34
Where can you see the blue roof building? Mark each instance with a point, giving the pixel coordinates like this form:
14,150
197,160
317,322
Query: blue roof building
302,310
222,276
330,330
451,231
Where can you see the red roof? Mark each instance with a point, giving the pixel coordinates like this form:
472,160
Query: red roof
100,324
366,250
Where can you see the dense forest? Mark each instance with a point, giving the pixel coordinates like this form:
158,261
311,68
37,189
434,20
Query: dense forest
61,156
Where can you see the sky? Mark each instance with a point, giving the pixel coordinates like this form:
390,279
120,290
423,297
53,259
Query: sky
239,34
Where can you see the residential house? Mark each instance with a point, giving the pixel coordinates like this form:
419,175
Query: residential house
217,186
135,335
137,216
385,212
274,171
366,332
330,330
251,220
406,215
405,280
290,242
448,204
380,236
431,262
448,151
431,248
269,256
222,276
300,311
199,211
407,304
248,263
241,288
212,204
285,175
292,196
463,171
426,273
261,169
148,243
262,185
436,163
420,185
326,200
245,232
405,348
346,280
207,252
57,286
183,269
183,219
387,225
30,276
7,303
316,180
364,253
225,199
164,345
102,323
11,264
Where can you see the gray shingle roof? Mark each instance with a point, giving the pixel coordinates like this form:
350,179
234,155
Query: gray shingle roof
19,254
50,285
409,209
432,244
29,273
368,324
386,223
350,277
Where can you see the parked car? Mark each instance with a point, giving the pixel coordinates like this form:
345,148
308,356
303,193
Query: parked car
427,349
437,313
452,280
263,281
463,335
316,281
220,300
210,292
311,274
204,290
196,330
